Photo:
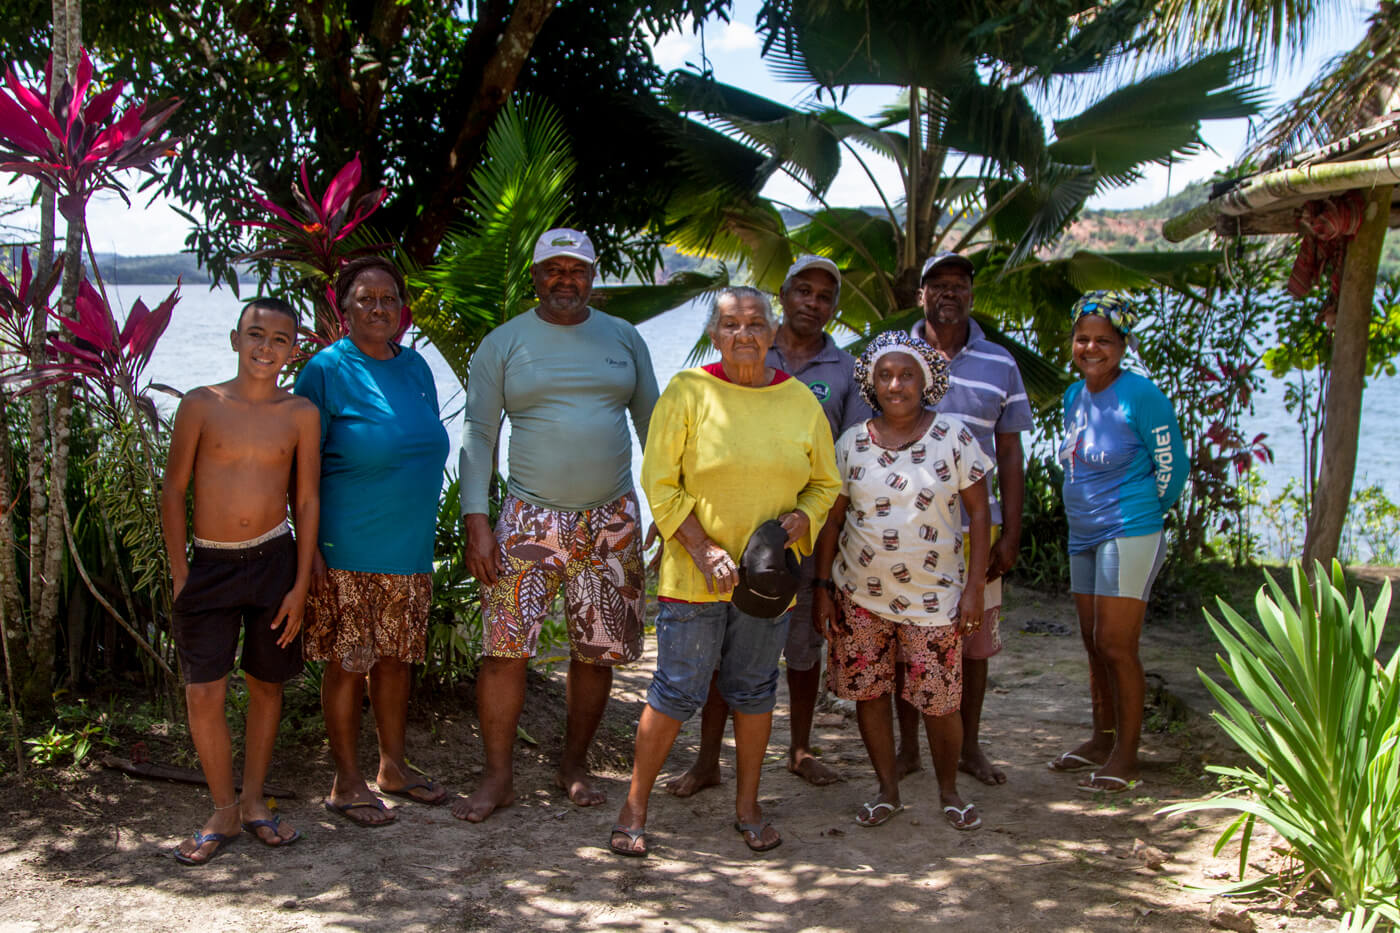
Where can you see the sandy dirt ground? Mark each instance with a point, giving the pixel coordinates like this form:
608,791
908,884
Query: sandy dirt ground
89,849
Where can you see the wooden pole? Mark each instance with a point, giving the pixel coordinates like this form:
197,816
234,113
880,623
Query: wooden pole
1347,382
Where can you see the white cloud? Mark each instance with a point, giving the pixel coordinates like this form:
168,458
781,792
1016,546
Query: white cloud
736,37
673,50
130,231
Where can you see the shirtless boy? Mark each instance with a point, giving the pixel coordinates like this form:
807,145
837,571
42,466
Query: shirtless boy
240,442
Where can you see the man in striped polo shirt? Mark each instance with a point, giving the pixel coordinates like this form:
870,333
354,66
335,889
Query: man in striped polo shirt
986,392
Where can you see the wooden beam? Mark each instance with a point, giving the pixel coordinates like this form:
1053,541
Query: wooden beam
1274,223
1346,382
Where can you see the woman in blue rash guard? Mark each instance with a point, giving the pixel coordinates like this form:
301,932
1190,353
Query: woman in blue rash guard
1125,465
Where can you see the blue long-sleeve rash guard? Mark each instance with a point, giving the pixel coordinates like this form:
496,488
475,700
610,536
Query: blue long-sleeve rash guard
1124,460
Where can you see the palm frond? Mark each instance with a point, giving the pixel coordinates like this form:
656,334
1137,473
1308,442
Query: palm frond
1156,118
1352,91
639,303
520,190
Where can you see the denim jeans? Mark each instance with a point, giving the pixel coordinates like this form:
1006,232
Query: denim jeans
693,640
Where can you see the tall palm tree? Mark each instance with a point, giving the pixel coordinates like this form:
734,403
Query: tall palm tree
978,169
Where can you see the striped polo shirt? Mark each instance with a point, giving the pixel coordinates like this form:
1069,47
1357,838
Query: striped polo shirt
985,390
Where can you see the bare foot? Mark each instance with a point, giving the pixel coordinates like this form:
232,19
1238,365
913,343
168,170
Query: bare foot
811,769
491,795
580,788
979,767
693,781
907,762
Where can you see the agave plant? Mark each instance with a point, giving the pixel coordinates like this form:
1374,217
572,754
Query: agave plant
1316,714
72,143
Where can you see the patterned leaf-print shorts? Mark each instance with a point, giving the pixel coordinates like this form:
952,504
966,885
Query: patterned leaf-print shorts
864,647
361,617
596,555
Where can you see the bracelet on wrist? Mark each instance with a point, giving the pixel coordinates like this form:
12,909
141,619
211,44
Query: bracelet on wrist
824,584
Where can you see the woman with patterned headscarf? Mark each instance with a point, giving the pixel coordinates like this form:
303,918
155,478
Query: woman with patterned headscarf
1125,466
892,580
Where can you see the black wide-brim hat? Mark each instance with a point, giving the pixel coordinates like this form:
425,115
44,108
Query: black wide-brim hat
768,573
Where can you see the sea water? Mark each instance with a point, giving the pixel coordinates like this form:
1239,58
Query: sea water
195,351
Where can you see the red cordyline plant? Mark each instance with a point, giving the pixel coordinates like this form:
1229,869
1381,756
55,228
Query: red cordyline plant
72,143
17,304
105,362
316,239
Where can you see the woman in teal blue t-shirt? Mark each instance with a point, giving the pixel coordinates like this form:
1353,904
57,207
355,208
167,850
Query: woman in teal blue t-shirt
1125,466
382,452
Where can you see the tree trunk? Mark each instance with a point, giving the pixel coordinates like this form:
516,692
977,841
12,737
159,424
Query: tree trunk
1348,380
498,80
49,425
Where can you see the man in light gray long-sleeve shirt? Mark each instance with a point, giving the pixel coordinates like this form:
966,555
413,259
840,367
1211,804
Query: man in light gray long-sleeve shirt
567,376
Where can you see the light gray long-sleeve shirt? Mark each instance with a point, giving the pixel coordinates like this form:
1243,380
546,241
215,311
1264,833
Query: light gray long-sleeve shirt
567,390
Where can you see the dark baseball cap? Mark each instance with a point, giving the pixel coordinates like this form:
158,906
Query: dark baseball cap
947,260
768,573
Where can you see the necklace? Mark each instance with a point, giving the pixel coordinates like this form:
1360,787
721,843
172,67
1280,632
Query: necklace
890,444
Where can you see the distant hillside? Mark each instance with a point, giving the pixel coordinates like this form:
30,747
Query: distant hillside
152,270
1102,229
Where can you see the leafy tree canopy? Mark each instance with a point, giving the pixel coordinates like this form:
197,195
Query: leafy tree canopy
412,85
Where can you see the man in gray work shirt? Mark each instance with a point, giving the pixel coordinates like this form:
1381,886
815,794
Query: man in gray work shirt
804,350
567,376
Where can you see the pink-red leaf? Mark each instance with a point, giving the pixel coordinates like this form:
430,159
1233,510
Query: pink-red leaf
341,187
36,105
20,130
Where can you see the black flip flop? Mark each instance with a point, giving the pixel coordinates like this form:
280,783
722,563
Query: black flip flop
344,813
425,784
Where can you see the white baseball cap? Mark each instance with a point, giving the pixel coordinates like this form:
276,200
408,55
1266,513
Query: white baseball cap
809,261
944,259
562,241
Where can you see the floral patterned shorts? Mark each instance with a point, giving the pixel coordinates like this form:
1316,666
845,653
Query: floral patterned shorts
864,648
596,555
361,617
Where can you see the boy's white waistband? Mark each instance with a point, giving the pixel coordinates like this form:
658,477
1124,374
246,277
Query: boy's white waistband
280,530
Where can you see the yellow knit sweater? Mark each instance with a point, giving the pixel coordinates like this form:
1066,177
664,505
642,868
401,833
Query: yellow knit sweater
735,456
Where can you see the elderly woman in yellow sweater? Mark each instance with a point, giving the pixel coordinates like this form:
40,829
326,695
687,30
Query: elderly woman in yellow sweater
732,446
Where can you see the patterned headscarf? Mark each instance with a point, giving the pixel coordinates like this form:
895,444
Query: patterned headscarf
934,367
1115,307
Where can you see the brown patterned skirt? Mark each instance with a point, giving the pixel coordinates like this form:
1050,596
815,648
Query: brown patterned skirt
359,618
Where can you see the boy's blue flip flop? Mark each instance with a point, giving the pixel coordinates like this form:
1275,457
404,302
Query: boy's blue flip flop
219,839
253,826
344,812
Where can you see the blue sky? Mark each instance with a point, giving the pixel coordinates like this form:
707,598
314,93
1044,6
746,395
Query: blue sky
732,51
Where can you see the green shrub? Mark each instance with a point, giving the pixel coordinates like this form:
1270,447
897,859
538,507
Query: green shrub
1319,723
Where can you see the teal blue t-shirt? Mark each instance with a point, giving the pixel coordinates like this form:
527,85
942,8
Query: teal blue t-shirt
383,448
1124,459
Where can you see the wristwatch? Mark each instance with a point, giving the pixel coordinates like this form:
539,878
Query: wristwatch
824,583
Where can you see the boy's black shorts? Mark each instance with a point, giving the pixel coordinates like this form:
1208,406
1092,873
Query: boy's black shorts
231,590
